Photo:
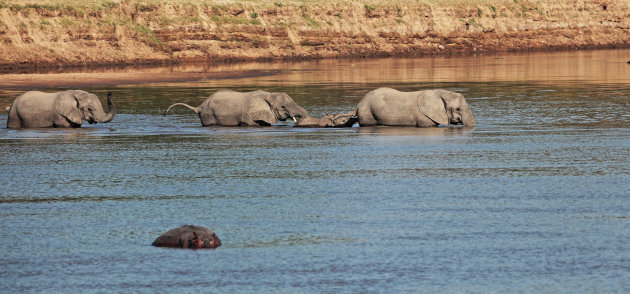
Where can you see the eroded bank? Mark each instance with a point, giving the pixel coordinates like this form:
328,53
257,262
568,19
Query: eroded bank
142,32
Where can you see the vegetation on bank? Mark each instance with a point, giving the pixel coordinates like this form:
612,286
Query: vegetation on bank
132,31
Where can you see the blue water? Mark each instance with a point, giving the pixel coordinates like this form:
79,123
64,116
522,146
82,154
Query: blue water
536,198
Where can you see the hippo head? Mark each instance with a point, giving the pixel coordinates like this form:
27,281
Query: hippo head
204,241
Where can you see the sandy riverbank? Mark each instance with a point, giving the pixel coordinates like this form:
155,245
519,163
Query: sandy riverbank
127,32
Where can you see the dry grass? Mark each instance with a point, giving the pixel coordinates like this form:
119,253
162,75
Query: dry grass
129,31
252,3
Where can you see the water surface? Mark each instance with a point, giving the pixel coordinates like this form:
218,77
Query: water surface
533,199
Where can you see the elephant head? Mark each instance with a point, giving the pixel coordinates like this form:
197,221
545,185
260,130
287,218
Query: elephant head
266,108
457,109
77,106
343,120
337,120
445,107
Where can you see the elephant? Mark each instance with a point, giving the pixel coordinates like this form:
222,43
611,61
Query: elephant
341,120
429,108
35,109
257,108
188,236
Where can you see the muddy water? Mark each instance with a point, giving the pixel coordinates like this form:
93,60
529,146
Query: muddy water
536,198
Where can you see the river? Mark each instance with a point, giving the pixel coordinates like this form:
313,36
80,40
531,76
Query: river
535,198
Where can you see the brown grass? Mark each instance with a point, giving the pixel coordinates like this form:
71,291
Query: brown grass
141,31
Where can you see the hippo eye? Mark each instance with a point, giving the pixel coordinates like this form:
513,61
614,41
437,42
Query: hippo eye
457,109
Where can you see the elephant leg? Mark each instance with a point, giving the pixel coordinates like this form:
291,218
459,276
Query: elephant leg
64,125
424,122
14,121
61,122
366,117
207,118
256,123
14,124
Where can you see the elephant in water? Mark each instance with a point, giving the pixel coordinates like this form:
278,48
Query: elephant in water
258,108
70,108
341,120
188,236
429,108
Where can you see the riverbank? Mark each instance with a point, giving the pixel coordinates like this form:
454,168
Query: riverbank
130,32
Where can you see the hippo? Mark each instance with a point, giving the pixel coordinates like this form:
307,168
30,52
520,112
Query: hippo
188,236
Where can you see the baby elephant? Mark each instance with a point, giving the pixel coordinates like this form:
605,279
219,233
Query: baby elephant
188,236
338,120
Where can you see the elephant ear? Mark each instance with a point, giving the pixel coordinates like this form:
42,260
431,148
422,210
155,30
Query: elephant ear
68,106
432,106
259,110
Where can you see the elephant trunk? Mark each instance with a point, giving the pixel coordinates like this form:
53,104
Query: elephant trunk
107,117
468,119
299,112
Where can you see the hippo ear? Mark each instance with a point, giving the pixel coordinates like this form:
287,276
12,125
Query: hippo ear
216,242
432,106
68,106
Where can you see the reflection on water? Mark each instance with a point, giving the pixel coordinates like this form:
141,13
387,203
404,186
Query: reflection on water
599,66
534,198
602,66
423,132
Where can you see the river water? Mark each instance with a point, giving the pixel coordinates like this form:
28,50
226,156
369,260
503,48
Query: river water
536,198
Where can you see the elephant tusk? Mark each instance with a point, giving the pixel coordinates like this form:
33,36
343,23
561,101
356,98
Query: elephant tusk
294,120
